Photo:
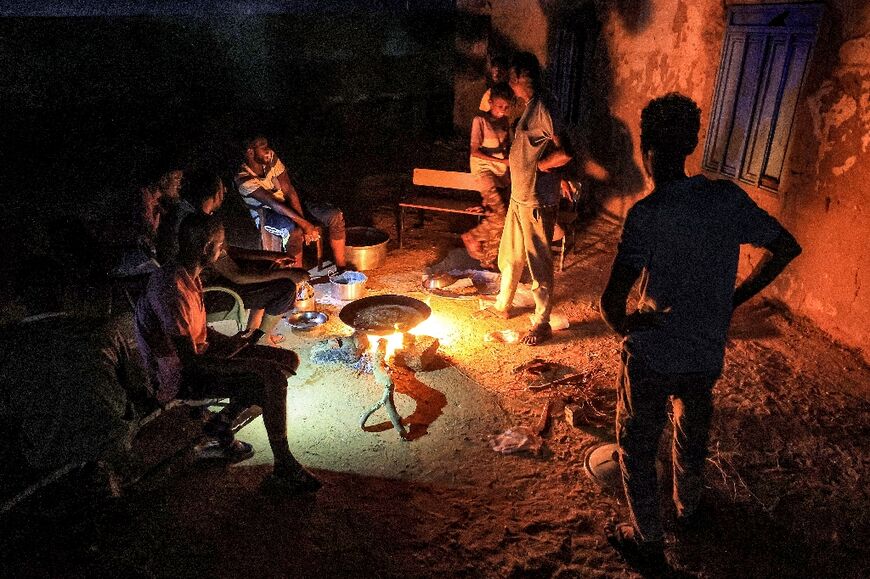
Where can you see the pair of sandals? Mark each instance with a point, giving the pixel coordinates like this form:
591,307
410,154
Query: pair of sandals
537,334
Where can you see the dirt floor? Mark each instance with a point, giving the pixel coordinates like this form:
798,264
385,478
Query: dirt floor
787,475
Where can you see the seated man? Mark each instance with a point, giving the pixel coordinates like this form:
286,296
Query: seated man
156,189
264,279
73,387
190,361
264,183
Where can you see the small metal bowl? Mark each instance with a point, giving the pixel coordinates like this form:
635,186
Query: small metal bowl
439,280
306,320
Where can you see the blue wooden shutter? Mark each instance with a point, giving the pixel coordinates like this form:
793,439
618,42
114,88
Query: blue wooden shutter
764,60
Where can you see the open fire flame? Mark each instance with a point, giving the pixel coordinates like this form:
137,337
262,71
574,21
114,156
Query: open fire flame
434,326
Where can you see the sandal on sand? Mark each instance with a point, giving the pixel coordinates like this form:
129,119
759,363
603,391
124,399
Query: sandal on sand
648,557
538,334
492,312
235,451
295,483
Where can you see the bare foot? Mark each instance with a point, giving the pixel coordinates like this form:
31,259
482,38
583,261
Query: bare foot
473,246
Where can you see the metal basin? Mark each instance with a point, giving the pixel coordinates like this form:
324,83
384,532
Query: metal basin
439,281
366,247
384,314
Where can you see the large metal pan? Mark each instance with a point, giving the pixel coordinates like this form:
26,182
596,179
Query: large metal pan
384,314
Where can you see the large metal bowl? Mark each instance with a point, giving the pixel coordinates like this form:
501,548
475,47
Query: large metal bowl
365,247
362,315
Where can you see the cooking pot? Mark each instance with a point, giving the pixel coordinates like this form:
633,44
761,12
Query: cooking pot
304,298
365,247
349,285
401,313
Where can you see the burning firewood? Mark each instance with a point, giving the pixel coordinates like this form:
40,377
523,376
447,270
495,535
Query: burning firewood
380,356
417,352
383,377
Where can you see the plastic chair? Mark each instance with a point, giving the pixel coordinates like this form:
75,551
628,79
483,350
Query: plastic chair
235,313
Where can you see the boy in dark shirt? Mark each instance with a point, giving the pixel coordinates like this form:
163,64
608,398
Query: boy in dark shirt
685,239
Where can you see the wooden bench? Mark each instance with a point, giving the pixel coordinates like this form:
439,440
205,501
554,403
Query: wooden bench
448,184
449,195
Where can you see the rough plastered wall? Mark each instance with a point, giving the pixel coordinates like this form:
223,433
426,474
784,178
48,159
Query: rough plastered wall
828,190
649,47
472,27
672,46
523,23
644,48
484,26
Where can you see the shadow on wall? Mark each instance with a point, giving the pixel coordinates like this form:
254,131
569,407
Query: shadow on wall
635,14
605,150
580,71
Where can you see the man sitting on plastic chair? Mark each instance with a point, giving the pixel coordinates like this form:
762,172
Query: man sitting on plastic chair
190,361
265,280
265,186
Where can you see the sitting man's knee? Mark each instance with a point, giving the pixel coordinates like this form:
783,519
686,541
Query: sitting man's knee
275,378
280,365
291,360
335,223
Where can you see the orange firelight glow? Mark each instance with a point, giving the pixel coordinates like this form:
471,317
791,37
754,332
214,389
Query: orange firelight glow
394,342
435,326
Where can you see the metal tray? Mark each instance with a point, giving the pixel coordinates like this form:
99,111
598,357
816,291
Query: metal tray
485,283
306,320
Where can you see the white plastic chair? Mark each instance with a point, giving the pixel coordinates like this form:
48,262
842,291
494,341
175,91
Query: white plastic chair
235,313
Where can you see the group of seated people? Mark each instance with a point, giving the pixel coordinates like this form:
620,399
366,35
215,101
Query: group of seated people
264,279
184,357
79,385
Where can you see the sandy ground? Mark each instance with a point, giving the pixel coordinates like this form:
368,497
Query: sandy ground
787,475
